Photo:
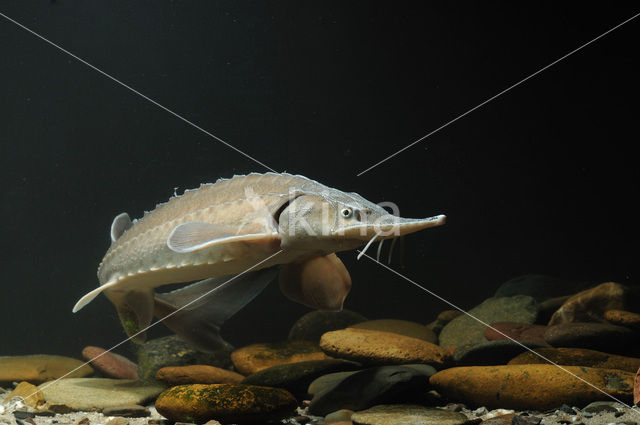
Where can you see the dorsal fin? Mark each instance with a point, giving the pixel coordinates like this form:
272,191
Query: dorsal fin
120,224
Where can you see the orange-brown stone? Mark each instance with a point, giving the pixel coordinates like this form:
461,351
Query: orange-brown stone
589,305
227,403
623,318
255,357
29,393
381,348
534,387
578,357
39,368
197,374
402,327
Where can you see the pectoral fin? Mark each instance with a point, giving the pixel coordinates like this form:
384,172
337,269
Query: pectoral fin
197,311
194,236
321,282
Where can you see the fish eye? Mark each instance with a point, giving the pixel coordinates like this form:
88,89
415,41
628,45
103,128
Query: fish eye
346,212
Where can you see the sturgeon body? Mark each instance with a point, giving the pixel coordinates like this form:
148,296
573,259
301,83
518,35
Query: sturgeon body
251,227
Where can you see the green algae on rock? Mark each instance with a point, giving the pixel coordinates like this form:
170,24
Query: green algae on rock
197,374
255,357
225,402
172,351
533,386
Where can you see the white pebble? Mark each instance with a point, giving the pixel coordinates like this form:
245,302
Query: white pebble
497,412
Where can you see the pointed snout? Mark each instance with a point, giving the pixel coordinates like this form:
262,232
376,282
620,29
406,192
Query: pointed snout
390,226
404,226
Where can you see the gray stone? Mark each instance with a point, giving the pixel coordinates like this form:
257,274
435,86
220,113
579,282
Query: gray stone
311,326
361,390
96,394
172,351
339,415
405,414
464,330
128,410
603,406
540,287
525,420
330,380
296,377
491,353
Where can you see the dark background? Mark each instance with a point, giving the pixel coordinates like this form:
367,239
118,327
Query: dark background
543,179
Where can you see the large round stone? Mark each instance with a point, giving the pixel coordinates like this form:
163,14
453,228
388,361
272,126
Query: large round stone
403,414
578,357
39,368
172,351
311,326
540,287
366,388
591,304
197,374
255,357
596,336
401,327
532,387
98,393
296,377
381,348
465,330
227,403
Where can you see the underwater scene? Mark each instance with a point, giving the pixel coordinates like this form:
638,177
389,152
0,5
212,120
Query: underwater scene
239,212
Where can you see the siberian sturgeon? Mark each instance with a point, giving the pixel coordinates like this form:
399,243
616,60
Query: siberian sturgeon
267,223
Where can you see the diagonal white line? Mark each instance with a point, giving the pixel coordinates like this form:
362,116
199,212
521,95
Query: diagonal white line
222,285
496,330
136,92
499,94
